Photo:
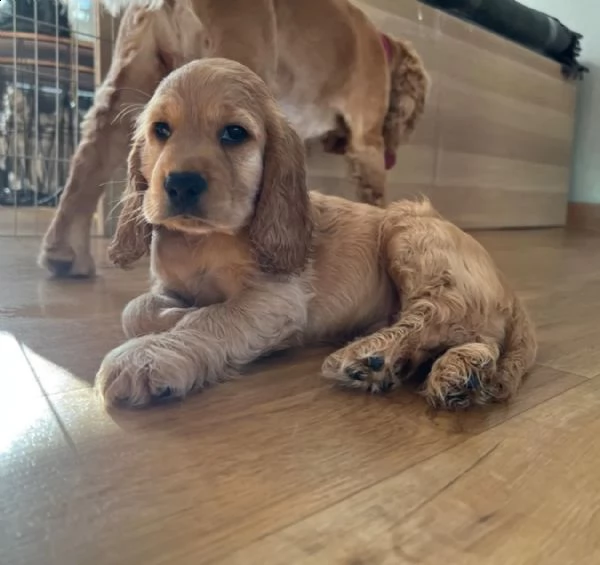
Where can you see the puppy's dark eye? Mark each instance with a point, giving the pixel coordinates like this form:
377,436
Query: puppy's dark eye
233,135
162,130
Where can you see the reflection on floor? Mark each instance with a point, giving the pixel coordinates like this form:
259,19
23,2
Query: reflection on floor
27,221
278,467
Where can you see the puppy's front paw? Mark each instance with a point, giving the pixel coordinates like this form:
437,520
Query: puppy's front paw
146,368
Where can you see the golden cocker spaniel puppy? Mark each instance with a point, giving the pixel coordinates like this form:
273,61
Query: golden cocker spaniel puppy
333,73
245,262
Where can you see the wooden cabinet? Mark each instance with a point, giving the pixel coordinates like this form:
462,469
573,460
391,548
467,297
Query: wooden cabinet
494,147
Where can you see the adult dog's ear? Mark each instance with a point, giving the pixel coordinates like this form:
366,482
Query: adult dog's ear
282,225
133,234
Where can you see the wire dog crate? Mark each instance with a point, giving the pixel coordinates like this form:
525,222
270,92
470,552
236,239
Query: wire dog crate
51,55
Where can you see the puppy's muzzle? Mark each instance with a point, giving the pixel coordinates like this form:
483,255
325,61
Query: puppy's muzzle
184,190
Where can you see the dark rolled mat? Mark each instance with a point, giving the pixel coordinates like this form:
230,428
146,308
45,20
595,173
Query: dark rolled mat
523,25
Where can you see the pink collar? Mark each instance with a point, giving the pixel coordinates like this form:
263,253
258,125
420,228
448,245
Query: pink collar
387,47
390,156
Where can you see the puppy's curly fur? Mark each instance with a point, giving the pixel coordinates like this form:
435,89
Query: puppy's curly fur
362,91
253,263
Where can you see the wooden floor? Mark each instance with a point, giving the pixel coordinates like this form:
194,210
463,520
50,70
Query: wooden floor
280,468
30,221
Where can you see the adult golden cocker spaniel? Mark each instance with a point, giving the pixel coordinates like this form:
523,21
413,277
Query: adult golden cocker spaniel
333,73
245,262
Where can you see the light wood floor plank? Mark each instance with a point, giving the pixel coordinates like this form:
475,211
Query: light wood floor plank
521,493
278,467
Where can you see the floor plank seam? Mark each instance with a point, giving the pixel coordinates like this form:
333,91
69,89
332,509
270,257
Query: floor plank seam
63,429
450,483
572,373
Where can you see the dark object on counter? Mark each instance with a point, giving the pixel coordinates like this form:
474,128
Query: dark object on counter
523,25
24,197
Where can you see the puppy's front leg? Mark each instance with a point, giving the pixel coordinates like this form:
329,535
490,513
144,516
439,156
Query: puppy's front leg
153,312
205,346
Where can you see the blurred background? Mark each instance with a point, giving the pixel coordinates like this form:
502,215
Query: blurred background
47,81
506,141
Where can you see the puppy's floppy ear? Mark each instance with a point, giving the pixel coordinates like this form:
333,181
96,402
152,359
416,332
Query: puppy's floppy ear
282,225
133,234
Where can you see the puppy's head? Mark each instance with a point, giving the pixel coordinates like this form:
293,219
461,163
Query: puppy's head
212,152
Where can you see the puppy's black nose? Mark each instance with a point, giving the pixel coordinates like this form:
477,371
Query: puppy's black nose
184,189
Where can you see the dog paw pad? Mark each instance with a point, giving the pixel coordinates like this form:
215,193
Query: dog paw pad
375,362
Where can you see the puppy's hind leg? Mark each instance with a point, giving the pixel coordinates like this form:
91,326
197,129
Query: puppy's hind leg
432,319
383,360
486,371
364,363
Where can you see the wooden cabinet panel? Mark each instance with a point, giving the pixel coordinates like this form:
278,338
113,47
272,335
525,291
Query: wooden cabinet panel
494,147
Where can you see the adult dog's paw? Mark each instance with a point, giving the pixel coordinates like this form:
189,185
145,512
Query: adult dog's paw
63,262
144,369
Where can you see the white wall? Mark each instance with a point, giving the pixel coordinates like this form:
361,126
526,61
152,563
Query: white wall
583,16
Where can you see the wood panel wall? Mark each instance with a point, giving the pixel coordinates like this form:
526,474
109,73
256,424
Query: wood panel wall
494,147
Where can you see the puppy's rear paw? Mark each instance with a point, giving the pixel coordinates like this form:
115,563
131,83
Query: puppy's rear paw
370,372
463,376
458,393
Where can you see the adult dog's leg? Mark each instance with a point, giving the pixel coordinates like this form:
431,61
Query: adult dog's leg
66,246
133,76
364,114
366,157
205,346
370,97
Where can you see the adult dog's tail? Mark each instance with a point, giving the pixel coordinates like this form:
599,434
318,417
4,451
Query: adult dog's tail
116,6
408,93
